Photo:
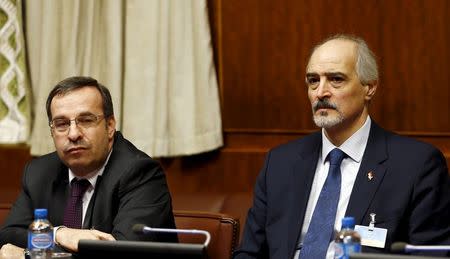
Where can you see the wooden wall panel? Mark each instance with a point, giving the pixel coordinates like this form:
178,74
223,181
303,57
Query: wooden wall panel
227,171
264,53
262,64
12,161
412,43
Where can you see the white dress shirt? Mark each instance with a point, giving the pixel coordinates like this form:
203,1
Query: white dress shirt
354,148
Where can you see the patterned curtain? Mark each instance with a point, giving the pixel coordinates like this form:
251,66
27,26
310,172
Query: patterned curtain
14,94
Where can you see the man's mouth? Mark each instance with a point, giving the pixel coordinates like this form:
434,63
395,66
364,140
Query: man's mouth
324,108
75,149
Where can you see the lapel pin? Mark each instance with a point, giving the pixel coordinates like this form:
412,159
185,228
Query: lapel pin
370,175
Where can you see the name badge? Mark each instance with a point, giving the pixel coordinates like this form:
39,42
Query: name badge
372,236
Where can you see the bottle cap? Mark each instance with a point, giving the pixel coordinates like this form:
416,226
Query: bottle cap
40,213
348,222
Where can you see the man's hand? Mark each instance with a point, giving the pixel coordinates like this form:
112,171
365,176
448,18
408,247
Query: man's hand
11,251
69,237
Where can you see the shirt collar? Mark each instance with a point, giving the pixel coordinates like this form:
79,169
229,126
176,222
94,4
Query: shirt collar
91,177
354,146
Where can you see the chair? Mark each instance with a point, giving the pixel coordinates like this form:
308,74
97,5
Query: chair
4,211
235,205
224,231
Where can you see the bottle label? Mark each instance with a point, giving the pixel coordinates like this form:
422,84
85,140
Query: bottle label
342,251
338,250
40,241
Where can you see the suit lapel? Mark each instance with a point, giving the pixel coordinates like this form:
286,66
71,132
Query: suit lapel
302,177
370,175
59,194
89,216
96,212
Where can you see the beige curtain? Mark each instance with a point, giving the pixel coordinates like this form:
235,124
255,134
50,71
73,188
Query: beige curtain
14,92
171,101
155,56
67,38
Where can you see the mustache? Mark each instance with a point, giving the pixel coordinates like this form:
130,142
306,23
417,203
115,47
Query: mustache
75,145
323,104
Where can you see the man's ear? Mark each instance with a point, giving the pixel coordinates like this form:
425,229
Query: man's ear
111,126
371,90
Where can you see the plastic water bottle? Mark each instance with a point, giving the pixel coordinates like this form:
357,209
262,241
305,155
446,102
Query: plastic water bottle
40,236
347,240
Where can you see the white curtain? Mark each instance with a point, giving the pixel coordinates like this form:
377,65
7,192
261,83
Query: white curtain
14,92
171,101
67,38
154,56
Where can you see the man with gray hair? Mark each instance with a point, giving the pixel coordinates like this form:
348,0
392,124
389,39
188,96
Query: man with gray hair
352,167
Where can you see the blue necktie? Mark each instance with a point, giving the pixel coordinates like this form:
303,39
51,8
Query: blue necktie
321,227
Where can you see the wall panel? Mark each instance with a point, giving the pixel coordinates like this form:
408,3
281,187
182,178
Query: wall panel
12,161
265,48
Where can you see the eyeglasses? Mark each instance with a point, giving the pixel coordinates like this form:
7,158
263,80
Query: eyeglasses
83,121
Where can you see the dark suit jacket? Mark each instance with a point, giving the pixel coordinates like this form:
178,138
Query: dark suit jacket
410,194
132,190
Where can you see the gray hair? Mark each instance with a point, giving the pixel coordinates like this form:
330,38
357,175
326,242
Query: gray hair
366,64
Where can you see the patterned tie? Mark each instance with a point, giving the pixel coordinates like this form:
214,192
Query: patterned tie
320,231
73,214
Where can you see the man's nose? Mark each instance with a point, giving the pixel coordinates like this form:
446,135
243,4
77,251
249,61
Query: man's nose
74,131
323,90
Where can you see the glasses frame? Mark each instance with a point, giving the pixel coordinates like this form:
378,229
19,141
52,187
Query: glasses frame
98,118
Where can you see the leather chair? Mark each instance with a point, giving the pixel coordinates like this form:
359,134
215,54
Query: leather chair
4,211
235,205
224,231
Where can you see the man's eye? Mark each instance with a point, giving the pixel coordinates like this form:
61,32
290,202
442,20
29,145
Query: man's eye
312,80
337,79
86,119
61,123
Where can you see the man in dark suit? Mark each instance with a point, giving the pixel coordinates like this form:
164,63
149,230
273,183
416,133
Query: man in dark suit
124,185
402,182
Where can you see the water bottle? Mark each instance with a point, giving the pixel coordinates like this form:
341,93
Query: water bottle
40,236
347,240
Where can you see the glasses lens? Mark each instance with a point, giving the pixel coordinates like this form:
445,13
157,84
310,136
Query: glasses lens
83,121
86,121
61,124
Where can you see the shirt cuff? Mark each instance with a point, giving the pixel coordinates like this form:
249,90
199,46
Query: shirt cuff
54,233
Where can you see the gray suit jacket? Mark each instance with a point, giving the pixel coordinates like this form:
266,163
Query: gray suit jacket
132,190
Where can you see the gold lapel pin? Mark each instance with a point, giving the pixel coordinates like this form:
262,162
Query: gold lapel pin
370,175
